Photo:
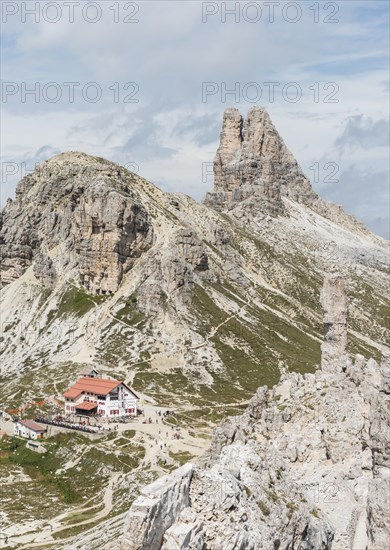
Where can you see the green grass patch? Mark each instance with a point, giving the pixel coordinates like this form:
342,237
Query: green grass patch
76,301
130,313
181,457
41,467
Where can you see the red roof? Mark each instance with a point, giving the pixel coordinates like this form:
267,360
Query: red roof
72,393
86,406
32,425
97,386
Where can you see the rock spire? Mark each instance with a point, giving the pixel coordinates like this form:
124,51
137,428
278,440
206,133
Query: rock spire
252,162
335,304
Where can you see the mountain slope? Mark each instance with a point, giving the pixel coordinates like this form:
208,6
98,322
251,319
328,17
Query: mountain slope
195,305
104,267
306,466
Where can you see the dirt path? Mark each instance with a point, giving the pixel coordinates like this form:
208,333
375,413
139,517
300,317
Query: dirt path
214,331
45,536
158,439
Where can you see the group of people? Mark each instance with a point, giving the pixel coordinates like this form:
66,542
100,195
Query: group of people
158,413
62,424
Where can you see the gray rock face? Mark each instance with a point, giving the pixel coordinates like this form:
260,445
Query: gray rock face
254,169
81,210
44,270
156,510
192,249
250,162
186,533
335,305
172,268
306,466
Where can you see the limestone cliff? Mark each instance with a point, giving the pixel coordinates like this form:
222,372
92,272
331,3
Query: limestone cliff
85,208
306,466
251,162
335,306
253,168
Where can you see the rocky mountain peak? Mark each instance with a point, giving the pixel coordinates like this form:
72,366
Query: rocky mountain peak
252,162
254,171
88,208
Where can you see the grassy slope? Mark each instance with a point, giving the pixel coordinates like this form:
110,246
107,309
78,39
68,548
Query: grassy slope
272,328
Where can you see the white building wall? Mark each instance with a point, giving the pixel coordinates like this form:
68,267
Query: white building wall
23,431
126,404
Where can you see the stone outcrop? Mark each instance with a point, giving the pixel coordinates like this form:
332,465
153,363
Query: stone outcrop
82,212
335,305
172,268
253,164
192,249
186,533
254,169
44,270
306,466
156,510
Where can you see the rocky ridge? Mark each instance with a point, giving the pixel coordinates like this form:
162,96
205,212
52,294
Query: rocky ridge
306,466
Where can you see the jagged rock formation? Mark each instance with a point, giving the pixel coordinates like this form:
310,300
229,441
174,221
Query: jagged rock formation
253,166
84,207
173,268
306,466
251,161
44,270
335,305
156,509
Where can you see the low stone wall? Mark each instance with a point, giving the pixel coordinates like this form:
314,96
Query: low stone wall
53,430
36,446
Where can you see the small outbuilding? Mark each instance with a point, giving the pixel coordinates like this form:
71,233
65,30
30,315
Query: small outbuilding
29,429
90,372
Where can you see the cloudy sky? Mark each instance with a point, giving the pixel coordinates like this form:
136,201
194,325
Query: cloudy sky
145,84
